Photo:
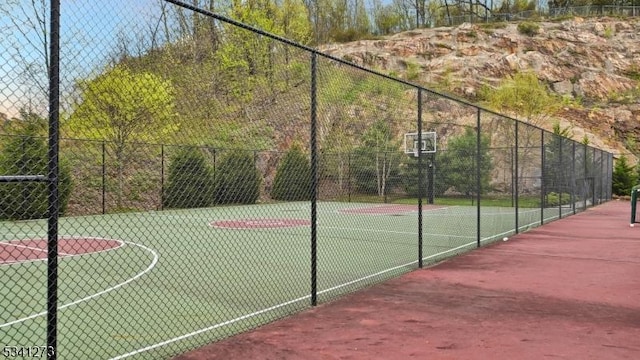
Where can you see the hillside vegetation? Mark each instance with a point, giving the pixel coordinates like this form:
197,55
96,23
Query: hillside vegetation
588,70
219,87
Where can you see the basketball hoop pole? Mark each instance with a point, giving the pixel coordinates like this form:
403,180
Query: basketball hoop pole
423,142
430,170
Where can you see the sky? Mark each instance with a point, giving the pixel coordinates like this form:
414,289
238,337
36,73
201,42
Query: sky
90,30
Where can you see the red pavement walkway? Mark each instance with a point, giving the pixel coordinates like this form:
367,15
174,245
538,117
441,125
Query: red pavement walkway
567,290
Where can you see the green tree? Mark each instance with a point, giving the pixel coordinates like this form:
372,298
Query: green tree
455,167
386,19
523,95
293,177
190,181
558,156
624,177
26,154
409,172
516,6
245,61
293,22
121,107
340,20
376,161
360,22
237,179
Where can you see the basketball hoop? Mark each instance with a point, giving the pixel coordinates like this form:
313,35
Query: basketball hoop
426,143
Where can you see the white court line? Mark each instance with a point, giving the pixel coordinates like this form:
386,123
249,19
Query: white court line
393,232
232,321
151,266
348,211
14,262
484,213
229,322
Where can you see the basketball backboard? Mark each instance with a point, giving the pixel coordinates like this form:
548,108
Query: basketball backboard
425,145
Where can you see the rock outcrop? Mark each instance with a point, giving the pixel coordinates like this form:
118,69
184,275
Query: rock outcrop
595,63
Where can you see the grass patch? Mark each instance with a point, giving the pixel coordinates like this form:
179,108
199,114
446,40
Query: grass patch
528,28
495,25
497,201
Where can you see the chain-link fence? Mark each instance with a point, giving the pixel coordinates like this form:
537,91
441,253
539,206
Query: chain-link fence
197,178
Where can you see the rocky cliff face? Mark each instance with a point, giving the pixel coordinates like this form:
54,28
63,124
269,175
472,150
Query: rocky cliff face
595,63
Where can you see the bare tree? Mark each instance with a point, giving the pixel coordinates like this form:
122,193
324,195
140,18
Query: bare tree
27,40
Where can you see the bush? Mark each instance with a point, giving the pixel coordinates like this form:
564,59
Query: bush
409,176
553,199
528,28
456,168
623,178
293,177
190,183
237,179
26,154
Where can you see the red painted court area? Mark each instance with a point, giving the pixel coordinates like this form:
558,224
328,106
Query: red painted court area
567,290
16,251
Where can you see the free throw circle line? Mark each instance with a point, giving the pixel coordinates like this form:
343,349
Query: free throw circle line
149,268
64,255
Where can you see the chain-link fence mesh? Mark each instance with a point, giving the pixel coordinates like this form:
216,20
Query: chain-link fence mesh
213,179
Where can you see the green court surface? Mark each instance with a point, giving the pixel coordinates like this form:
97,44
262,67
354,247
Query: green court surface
178,279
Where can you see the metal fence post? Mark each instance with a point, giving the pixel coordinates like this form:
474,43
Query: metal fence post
384,177
214,165
419,179
23,168
516,178
314,181
586,177
162,177
478,174
593,182
349,176
511,166
53,208
573,177
542,181
559,178
610,176
601,196
104,178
